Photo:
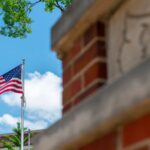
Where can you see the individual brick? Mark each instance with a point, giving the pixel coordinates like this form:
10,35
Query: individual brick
71,90
96,30
97,50
97,71
108,142
67,75
72,53
88,92
136,131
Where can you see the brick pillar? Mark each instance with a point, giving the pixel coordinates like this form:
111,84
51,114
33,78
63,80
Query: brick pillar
84,66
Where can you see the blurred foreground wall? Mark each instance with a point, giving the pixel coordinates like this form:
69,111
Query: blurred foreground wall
105,47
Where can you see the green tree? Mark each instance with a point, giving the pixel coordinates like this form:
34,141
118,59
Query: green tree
15,15
14,140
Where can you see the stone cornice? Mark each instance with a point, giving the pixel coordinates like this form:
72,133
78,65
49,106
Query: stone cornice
115,104
77,19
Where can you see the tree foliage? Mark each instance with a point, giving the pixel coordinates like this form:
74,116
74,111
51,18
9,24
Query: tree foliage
15,15
10,142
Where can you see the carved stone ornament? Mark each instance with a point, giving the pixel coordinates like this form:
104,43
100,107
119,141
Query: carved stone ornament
128,37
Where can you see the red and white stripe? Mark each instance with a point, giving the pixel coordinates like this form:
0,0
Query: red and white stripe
14,85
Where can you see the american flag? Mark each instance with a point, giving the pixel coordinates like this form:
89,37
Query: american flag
11,81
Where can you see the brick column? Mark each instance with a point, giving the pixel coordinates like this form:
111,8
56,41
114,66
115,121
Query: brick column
84,66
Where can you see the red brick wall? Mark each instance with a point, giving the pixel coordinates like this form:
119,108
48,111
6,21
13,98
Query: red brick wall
137,133
84,66
108,142
85,71
134,135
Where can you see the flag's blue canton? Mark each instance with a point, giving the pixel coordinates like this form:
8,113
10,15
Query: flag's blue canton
14,73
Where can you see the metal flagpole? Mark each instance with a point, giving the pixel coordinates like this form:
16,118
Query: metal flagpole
22,106
29,139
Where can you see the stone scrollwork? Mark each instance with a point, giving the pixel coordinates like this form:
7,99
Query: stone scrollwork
135,46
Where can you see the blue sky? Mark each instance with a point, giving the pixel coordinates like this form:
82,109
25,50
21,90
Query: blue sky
42,75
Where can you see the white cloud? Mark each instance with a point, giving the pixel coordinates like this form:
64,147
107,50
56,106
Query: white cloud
43,97
9,120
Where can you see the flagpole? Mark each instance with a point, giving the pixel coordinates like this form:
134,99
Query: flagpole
29,139
22,106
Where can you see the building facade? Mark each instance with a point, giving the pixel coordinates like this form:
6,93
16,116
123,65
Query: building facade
104,46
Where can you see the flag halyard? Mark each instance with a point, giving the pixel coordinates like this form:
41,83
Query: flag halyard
11,81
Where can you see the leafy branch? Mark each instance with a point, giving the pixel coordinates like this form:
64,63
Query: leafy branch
59,6
15,15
